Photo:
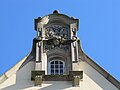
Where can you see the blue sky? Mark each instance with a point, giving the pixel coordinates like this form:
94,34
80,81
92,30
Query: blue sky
99,29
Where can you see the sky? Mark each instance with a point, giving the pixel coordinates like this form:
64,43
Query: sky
99,29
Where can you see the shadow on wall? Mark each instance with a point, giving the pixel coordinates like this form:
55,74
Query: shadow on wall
48,85
58,85
19,86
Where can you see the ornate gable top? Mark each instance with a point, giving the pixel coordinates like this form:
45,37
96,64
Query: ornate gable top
56,17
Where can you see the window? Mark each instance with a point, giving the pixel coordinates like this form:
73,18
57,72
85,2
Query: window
56,67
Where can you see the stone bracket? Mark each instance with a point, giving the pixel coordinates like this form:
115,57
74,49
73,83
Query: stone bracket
38,80
37,77
74,76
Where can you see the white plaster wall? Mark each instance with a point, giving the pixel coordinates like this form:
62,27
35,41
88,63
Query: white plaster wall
9,82
91,81
92,76
19,80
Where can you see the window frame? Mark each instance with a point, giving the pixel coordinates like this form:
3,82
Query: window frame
59,69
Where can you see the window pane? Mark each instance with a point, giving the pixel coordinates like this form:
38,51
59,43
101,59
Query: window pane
56,66
52,62
52,66
61,62
61,66
52,72
61,71
56,71
56,62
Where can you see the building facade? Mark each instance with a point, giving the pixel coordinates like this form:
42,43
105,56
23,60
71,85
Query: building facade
56,61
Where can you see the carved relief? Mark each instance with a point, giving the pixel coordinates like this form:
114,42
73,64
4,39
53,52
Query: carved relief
49,47
56,37
56,31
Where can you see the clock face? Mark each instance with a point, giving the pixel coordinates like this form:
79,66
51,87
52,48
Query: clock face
57,31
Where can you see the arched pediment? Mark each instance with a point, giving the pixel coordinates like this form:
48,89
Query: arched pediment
57,18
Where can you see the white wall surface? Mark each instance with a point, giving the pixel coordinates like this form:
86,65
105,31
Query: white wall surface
91,75
92,80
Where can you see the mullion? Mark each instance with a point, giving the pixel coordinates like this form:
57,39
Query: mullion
56,67
59,67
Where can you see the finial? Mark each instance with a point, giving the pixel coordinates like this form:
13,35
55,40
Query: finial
55,12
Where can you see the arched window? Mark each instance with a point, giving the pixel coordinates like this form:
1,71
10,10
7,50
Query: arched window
56,67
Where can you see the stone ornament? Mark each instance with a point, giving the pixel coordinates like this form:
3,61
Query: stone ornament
56,31
56,36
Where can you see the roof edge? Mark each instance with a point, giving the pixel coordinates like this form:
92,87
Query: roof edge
12,70
104,73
